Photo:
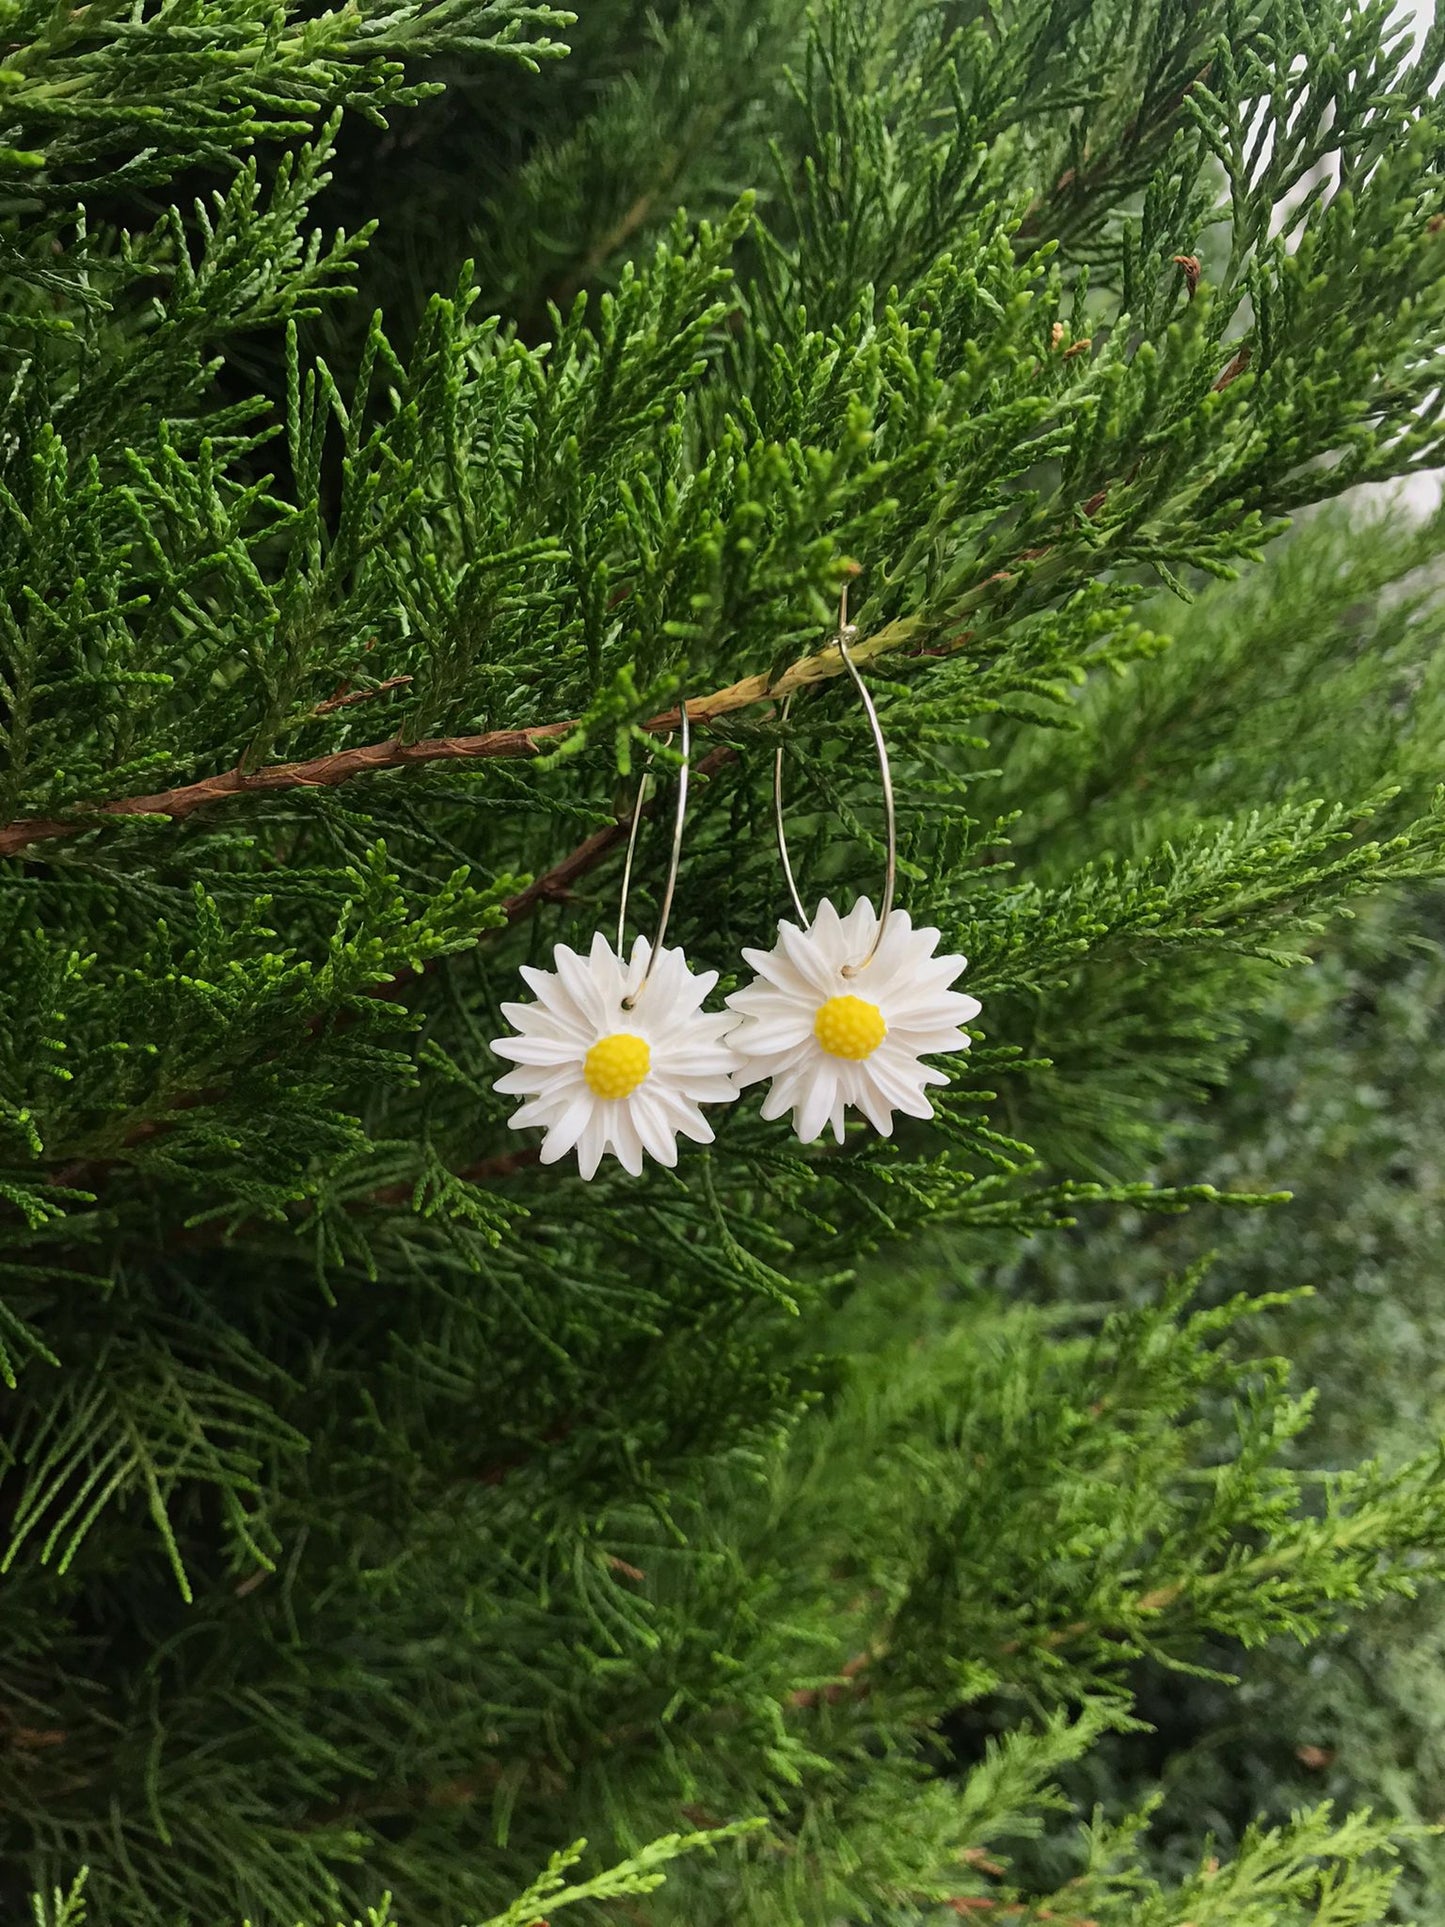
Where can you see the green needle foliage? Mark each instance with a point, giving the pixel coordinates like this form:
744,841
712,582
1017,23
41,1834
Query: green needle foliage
380,1512
1341,1097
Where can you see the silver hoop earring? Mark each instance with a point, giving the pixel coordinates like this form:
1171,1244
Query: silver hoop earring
843,1009
674,861
605,1070
847,633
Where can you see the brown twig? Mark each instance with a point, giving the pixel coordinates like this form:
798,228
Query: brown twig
852,1681
369,759
1235,369
344,698
1149,1602
505,1165
849,1685
318,772
600,253
553,886
1080,183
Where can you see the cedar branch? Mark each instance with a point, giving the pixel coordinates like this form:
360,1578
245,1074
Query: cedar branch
342,766
367,759
553,886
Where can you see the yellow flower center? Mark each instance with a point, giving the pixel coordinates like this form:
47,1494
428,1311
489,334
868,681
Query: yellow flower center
849,1027
616,1065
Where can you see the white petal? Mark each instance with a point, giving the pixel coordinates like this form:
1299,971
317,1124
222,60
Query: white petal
913,1001
905,958
606,970
591,1146
827,924
760,1035
537,1050
685,1055
686,985
900,1056
817,1105
568,1128
919,1040
902,929
778,1064
776,976
690,1122
903,1085
538,1113
626,1143
530,1082
714,1025
717,1087
786,1091
650,1117
554,1004
636,969
746,1072
809,958
758,1002
856,931
537,1018
711,1035
703,982
874,1106
693,1054
583,989
899,954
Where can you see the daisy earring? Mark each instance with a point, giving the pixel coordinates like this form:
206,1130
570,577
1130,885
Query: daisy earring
843,1009
617,1055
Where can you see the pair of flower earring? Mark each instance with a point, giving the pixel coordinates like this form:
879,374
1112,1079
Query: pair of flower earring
617,1056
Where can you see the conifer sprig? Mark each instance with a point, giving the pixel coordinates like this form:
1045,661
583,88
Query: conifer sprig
108,97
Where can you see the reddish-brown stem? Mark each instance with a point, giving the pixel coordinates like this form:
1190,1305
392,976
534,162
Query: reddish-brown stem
369,759
505,1165
849,1685
551,887
345,698
319,772
1235,369
556,884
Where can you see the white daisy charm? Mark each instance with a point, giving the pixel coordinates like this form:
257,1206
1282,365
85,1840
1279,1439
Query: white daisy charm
830,1033
601,1077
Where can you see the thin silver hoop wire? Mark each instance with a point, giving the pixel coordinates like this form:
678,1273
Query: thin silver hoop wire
846,633
679,817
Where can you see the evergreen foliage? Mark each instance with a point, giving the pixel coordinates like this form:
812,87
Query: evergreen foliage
1340,1095
382,1513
